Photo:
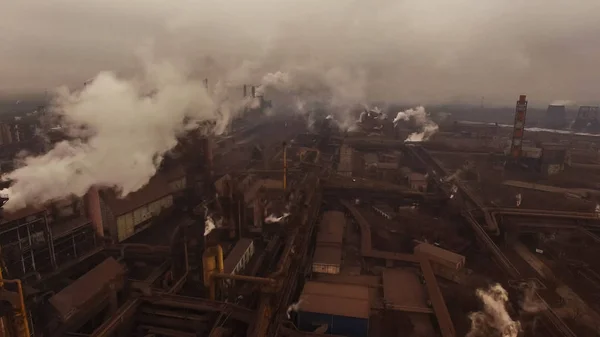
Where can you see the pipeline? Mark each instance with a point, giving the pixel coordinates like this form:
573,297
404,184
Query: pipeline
210,278
546,213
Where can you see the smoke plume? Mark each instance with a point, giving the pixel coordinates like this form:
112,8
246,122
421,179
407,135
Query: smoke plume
493,320
422,120
122,129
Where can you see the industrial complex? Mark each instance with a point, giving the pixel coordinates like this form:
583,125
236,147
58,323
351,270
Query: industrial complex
396,227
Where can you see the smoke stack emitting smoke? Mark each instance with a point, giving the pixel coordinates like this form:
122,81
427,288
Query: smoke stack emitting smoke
122,133
428,127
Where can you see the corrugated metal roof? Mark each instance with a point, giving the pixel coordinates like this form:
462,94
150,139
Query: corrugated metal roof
328,255
75,296
156,189
335,299
402,290
236,254
441,256
331,228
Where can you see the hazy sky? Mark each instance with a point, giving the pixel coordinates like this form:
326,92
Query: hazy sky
417,50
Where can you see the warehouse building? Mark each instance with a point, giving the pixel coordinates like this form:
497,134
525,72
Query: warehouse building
120,218
327,258
340,308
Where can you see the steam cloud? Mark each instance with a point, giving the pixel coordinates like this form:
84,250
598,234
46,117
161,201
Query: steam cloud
494,320
121,134
419,115
123,128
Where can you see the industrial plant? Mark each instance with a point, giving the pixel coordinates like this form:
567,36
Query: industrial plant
401,225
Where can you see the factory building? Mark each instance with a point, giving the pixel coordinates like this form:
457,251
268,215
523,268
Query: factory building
553,159
340,308
40,240
327,258
444,263
120,218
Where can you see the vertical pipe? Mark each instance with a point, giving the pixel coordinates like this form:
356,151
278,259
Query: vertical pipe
284,166
21,250
253,91
245,90
30,248
50,240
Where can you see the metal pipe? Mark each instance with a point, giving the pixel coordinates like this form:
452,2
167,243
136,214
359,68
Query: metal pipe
253,279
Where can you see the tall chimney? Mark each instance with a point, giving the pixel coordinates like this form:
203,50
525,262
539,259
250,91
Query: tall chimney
253,91
93,210
206,83
245,91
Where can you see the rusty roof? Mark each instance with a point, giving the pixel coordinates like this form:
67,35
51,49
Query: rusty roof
328,255
156,189
74,297
331,228
336,299
403,291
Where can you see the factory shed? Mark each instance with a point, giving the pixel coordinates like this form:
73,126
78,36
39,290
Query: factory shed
403,291
123,217
343,308
331,228
90,290
327,258
440,256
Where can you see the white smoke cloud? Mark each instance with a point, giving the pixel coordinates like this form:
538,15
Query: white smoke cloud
272,218
122,129
493,320
422,120
564,102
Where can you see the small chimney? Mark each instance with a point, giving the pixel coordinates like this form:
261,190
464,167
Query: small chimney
245,91
253,91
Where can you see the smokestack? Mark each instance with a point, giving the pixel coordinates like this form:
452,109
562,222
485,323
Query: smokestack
94,213
206,83
253,91
245,90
